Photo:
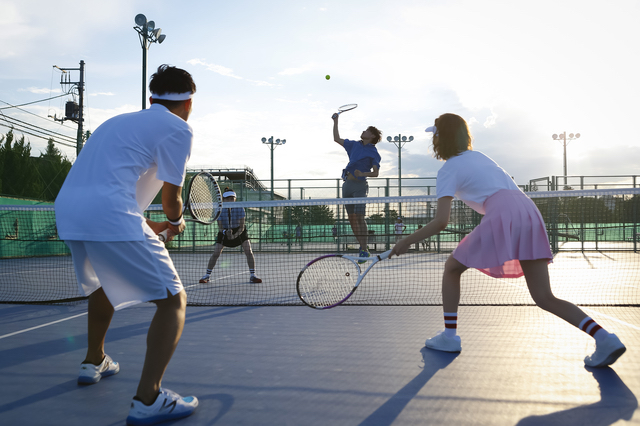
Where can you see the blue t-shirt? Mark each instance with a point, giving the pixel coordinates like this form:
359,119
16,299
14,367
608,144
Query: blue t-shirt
361,157
230,217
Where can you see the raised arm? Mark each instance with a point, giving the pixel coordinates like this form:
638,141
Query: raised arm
336,133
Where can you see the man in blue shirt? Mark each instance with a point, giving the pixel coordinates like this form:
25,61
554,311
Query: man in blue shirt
364,162
232,234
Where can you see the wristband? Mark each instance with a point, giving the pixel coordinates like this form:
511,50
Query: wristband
176,222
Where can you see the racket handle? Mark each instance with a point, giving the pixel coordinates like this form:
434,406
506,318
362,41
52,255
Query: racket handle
163,236
384,255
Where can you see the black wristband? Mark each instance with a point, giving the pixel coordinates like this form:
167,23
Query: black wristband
175,222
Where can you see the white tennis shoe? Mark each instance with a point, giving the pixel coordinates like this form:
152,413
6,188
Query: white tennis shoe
441,342
607,352
90,374
167,406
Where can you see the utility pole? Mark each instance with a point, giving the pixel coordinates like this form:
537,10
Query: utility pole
73,110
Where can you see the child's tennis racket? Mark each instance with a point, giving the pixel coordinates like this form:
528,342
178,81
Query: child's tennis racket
204,201
347,107
330,280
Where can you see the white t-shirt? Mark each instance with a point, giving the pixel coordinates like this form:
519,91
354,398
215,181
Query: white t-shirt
472,177
118,174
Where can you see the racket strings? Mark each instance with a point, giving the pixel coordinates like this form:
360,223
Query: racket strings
203,198
347,107
328,281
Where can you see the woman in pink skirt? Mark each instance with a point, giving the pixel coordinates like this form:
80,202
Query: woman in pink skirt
511,240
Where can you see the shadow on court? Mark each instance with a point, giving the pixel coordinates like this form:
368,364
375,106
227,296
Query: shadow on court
224,402
42,350
617,403
390,410
52,392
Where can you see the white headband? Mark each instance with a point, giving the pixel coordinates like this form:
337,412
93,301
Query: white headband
432,129
173,96
228,194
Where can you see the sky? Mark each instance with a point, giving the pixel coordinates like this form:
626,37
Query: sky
517,71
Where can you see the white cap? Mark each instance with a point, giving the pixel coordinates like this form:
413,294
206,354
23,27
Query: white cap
432,129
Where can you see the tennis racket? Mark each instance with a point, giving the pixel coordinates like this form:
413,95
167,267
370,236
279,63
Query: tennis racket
347,107
204,201
330,280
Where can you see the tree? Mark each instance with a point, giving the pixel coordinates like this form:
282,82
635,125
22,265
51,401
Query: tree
31,177
390,215
310,215
19,178
52,168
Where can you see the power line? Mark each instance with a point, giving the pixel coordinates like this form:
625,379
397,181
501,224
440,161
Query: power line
30,103
38,136
36,115
35,128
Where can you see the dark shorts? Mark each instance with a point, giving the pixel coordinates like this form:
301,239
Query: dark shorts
355,189
221,239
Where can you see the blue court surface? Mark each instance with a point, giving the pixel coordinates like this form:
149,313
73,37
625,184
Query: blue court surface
352,365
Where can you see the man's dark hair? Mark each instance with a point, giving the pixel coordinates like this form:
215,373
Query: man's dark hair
377,134
169,79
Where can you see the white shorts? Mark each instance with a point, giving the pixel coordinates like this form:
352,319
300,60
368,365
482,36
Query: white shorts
129,272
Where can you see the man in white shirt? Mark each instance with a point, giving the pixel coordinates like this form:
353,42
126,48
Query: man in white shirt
117,256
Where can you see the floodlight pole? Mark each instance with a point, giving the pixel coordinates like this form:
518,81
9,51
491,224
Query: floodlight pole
148,33
272,145
563,137
399,141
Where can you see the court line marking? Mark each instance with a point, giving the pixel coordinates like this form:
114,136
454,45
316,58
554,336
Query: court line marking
611,318
42,325
217,279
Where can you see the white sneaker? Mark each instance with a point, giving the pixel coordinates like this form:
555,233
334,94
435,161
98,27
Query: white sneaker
90,374
441,342
607,352
168,406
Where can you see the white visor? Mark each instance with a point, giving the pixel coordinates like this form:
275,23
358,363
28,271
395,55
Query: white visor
228,194
173,96
432,129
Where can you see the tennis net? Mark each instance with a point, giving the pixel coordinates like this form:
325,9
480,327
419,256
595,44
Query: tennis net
594,235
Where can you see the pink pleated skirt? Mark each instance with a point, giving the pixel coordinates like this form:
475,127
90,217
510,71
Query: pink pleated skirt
511,230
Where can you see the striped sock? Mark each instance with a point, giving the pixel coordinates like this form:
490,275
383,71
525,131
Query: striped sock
209,271
593,329
252,272
450,323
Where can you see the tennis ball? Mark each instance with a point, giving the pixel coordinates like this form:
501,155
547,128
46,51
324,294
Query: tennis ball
328,77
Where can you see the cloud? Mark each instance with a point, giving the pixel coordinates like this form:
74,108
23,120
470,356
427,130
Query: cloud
102,94
226,72
39,91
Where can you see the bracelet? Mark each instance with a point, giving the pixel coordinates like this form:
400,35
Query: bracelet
176,222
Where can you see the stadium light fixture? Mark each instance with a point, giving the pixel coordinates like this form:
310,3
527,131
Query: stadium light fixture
565,140
399,141
272,145
148,34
